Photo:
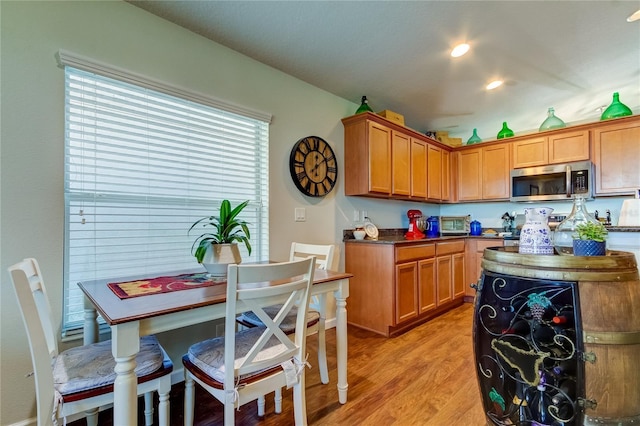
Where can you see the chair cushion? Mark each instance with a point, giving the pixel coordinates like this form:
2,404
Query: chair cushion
288,324
91,366
208,355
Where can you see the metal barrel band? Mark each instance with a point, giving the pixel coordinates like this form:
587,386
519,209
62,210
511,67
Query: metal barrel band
612,337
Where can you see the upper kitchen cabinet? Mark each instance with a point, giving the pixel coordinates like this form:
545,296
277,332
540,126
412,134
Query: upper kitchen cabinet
400,164
438,173
552,148
418,169
483,172
384,159
616,156
367,157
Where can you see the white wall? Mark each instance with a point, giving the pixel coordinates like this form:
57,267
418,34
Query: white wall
32,137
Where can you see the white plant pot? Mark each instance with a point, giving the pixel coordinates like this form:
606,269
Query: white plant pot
219,256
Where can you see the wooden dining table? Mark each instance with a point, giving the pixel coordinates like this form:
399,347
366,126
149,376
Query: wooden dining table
131,318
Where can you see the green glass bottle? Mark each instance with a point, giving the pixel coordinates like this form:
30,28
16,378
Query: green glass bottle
552,122
364,106
474,138
616,109
506,132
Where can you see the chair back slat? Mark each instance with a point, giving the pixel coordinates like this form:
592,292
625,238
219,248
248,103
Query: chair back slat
36,315
326,255
253,287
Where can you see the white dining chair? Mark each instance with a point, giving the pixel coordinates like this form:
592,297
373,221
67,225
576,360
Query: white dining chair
326,258
243,366
75,383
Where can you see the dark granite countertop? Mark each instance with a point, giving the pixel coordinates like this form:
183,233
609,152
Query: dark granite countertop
622,228
396,236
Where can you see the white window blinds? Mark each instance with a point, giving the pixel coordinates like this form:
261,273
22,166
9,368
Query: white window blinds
140,167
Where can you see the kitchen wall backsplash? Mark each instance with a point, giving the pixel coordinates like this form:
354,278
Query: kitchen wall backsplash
393,213
489,214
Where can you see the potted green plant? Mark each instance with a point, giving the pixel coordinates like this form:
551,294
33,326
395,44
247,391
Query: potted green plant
216,249
589,239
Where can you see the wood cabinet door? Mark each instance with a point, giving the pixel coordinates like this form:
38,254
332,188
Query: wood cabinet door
470,174
458,275
434,172
530,152
446,175
379,140
496,167
406,291
418,168
616,156
426,285
444,277
566,147
400,164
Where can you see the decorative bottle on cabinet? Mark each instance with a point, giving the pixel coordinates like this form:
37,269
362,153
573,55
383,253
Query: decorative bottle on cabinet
616,109
364,106
552,122
535,236
563,235
505,132
474,138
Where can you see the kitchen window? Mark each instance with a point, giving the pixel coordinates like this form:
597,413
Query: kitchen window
143,161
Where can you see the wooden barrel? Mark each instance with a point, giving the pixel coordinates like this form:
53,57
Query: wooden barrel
611,331
609,299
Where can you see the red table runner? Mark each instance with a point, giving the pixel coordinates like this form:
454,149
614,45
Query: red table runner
128,289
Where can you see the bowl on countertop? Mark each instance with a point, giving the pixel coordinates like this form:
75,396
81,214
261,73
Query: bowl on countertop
359,234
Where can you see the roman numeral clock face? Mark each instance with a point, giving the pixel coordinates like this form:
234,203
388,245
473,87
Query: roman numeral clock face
313,166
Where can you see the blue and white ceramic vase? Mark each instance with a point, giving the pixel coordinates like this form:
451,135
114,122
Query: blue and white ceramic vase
535,236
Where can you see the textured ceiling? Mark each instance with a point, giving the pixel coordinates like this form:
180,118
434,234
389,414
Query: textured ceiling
570,55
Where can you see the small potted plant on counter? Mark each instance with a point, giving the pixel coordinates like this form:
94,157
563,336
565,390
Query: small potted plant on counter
216,249
589,239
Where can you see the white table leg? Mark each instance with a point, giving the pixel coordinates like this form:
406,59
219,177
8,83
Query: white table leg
341,339
90,328
125,344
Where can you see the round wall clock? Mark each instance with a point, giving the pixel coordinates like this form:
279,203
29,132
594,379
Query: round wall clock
313,166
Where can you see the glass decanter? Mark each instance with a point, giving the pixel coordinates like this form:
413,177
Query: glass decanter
505,132
474,138
364,106
552,122
563,235
616,109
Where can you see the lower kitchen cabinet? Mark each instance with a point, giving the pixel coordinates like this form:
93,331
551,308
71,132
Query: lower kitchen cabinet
474,250
397,286
450,270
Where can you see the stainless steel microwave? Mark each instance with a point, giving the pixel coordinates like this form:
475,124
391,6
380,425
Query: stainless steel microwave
554,182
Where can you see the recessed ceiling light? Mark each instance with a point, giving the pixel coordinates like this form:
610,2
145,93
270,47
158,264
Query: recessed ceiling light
460,50
494,84
634,16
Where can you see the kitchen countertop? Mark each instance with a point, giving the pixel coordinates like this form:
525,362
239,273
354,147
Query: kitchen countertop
396,236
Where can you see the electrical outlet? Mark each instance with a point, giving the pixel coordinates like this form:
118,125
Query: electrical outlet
300,214
356,216
364,215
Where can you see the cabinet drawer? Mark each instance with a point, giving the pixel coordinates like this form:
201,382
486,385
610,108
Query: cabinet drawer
423,251
448,247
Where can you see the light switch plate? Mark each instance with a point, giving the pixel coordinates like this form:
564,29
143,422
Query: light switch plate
300,214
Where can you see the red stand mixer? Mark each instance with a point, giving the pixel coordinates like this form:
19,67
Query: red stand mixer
414,233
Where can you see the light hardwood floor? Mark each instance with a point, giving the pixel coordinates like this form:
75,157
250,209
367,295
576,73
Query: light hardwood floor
423,377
